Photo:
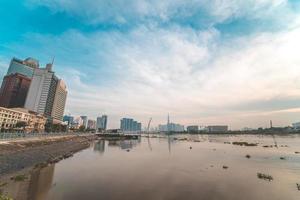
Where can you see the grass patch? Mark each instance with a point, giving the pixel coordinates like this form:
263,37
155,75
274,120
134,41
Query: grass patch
21,177
4,197
3,184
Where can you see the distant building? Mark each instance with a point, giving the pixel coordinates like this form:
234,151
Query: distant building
91,124
59,103
68,119
25,67
217,129
102,122
84,121
171,127
192,129
10,118
77,122
130,125
296,125
14,90
42,90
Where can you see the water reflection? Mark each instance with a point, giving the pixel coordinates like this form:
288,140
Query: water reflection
99,146
170,170
40,183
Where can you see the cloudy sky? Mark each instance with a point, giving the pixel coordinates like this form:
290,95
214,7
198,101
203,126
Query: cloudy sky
234,62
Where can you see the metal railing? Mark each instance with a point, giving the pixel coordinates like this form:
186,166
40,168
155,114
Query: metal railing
24,136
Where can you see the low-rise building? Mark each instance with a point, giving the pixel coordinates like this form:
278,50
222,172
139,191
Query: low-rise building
192,129
296,125
21,119
217,129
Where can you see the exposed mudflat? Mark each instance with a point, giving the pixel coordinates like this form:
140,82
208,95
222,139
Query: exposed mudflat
15,156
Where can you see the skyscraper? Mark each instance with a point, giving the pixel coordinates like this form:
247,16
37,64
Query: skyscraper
102,122
14,90
16,83
25,67
128,124
45,86
59,101
84,121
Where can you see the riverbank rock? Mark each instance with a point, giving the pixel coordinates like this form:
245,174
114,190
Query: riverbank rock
264,176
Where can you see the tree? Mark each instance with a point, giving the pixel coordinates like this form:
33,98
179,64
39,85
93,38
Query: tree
82,128
21,124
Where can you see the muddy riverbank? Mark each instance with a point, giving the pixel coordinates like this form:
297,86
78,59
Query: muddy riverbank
15,156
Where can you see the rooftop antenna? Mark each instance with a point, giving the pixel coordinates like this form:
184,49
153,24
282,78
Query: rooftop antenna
168,123
271,124
53,60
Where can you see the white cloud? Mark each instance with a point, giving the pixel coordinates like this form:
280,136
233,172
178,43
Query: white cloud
187,73
149,70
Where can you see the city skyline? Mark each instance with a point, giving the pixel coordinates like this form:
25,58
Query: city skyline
204,62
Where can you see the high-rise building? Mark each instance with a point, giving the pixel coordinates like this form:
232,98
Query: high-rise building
59,101
128,124
102,122
84,121
41,94
91,124
14,90
25,67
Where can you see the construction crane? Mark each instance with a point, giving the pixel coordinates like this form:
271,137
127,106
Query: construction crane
148,127
148,130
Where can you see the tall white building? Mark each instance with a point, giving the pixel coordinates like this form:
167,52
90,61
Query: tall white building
59,101
47,94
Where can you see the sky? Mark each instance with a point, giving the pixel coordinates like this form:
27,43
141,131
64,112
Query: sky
205,62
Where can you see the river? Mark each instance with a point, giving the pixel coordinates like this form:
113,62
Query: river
207,167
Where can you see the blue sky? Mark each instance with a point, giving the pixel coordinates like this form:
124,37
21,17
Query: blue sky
205,62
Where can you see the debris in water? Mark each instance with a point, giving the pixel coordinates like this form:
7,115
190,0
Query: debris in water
282,158
244,144
127,150
225,167
227,143
248,156
298,186
264,176
191,147
268,146
297,152
284,146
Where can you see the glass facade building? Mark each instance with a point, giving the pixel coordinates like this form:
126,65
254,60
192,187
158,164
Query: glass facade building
25,67
128,124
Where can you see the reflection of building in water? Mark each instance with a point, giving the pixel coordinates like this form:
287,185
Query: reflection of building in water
124,144
100,146
40,183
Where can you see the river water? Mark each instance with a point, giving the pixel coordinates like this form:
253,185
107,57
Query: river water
167,168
